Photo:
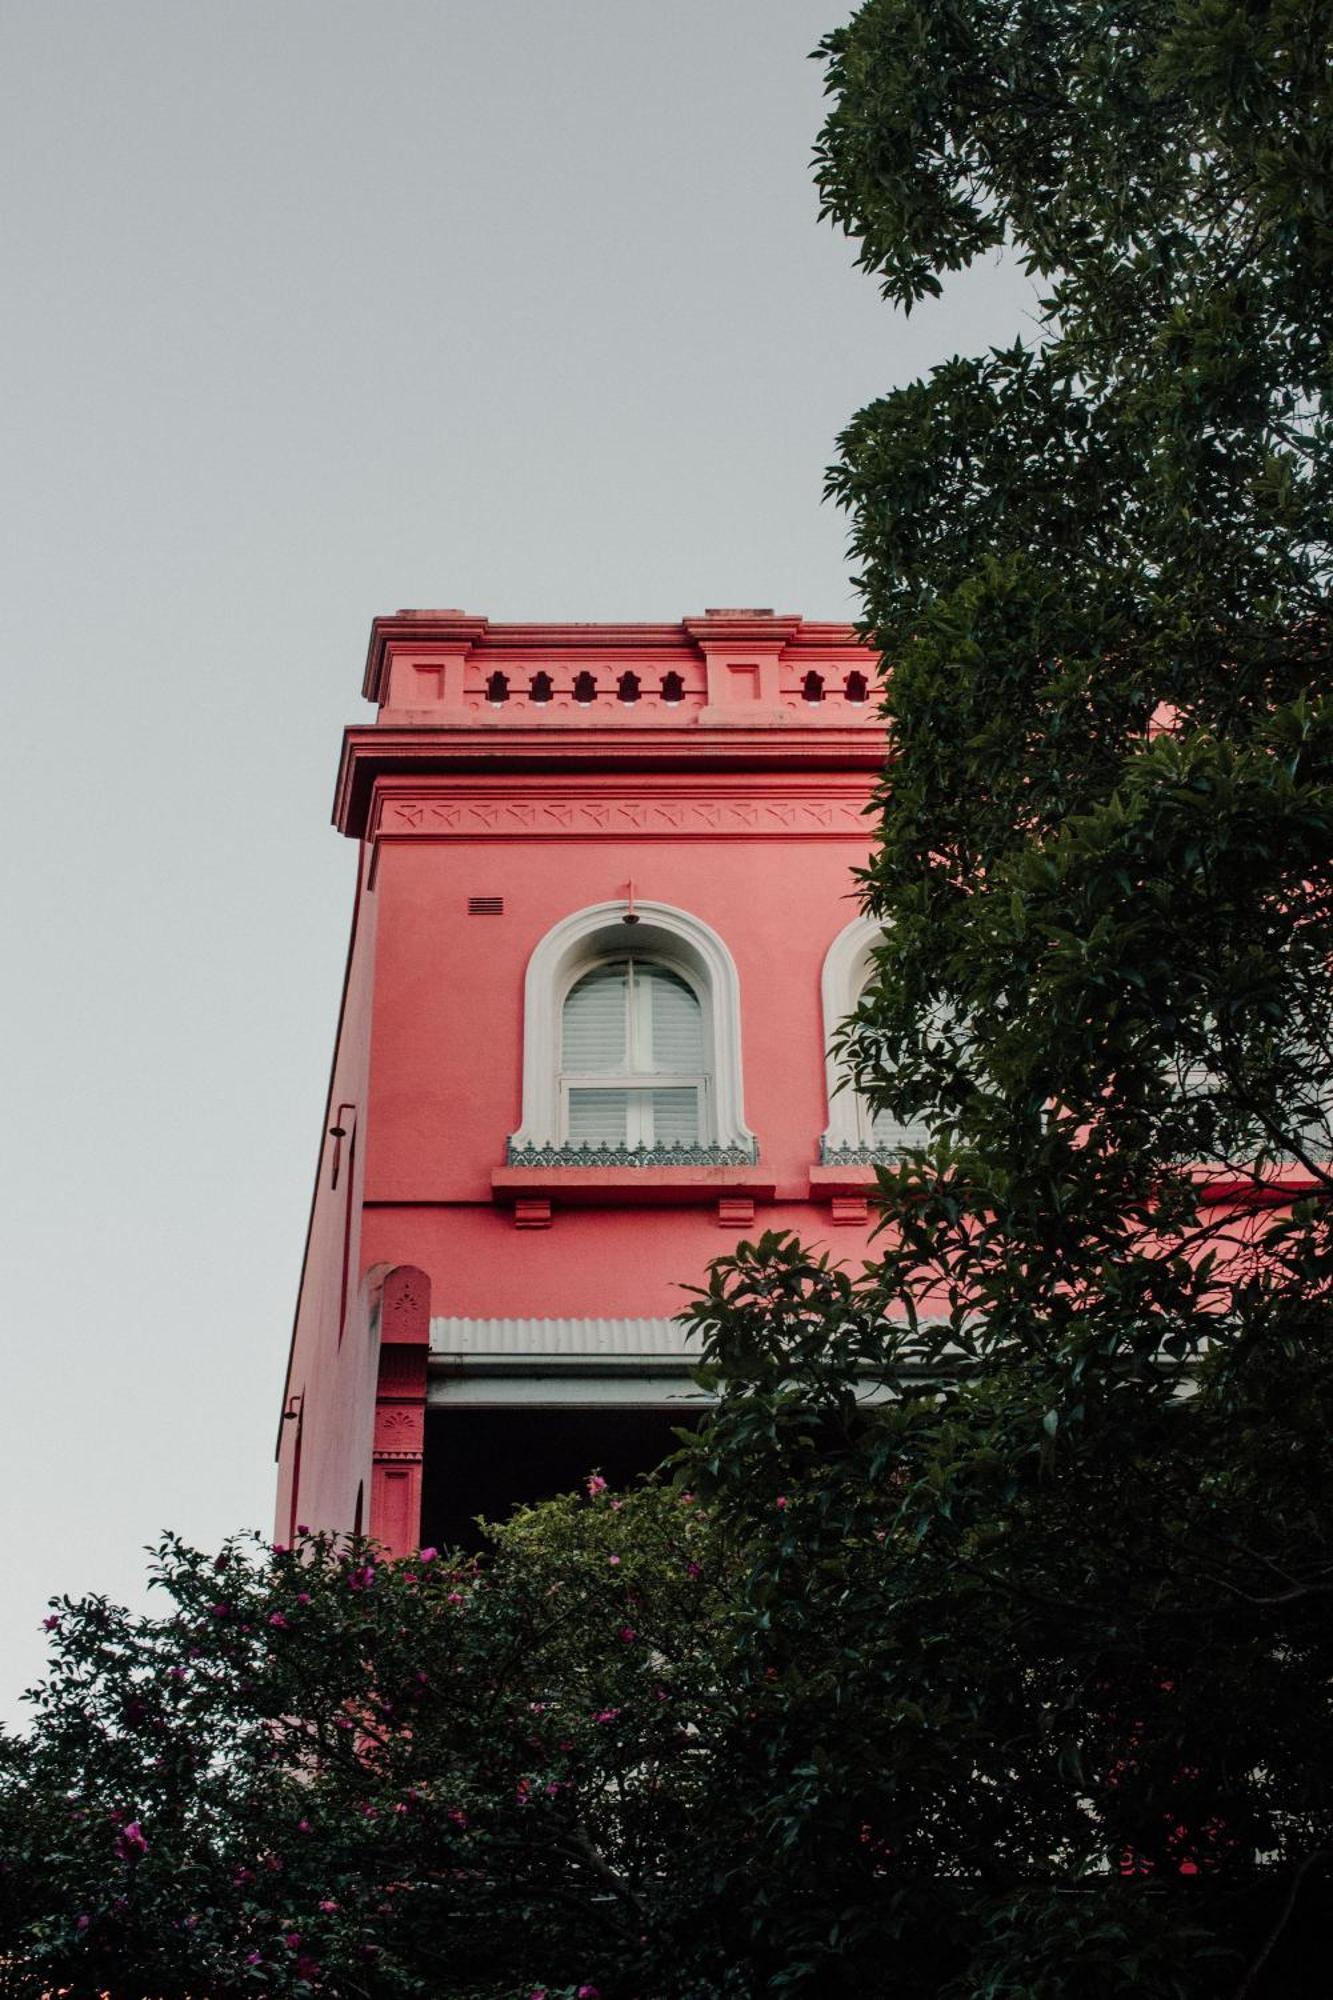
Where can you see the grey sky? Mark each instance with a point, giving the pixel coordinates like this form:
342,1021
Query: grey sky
313,310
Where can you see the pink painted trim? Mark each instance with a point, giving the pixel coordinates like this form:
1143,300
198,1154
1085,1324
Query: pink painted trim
629,1187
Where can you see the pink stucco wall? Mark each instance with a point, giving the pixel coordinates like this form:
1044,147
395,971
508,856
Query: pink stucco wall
741,802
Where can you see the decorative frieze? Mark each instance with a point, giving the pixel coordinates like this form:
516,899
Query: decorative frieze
514,818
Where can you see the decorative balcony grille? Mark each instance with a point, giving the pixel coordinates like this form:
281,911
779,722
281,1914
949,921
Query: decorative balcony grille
849,1154
598,1153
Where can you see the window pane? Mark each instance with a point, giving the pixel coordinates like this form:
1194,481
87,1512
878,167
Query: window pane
598,1115
677,1037
675,1117
594,1022
889,1132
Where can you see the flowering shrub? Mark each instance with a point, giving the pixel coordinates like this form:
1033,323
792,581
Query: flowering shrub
317,1771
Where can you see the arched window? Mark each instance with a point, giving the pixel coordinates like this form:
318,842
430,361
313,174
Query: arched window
632,1057
631,1043
855,1129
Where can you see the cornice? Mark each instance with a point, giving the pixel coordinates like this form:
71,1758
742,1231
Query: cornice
374,753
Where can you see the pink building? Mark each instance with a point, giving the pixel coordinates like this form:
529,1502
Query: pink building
605,923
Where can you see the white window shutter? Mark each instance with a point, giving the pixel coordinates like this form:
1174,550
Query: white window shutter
594,1022
677,1039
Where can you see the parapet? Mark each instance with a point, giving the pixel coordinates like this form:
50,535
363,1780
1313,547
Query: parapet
723,669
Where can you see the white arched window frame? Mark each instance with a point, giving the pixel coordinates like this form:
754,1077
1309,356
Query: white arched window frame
661,935
855,1130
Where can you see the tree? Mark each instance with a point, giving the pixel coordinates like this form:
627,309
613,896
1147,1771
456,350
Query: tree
1048,1618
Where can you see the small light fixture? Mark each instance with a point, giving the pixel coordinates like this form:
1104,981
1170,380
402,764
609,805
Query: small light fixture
630,915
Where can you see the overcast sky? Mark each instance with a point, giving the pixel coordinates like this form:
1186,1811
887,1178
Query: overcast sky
313,309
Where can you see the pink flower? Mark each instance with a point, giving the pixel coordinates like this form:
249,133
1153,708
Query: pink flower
430,1555
301,1528
277,1621
175,1673
253,1958
328,1906
292,1940
454,1597
693,1571
589,1993
614,1561
303,1597
780,1502
606,1715
221,1611
307,1968
303,1826
83,1923
628,1634
537,1993
51,1624
279,1548
596,1485
130,1842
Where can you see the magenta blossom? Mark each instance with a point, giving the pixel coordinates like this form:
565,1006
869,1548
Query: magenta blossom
130,1842
430,1555
596,1485
51,1624
277,1621
628,1634
83,1923
781,1501
614,1561
590,1993
328,1906
606,1715
292,1940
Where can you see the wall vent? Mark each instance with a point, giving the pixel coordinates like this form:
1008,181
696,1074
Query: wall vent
485,906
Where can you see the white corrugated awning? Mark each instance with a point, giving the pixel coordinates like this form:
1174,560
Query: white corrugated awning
580,1363
578,1340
